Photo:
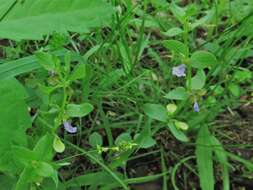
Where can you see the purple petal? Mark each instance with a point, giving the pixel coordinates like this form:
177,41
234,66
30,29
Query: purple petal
69,128
196,107
179,70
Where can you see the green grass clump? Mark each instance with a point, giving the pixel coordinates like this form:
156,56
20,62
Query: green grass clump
122,94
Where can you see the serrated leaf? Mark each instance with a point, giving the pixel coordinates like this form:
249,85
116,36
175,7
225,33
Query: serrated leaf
178,93
95,139
177,47
205,159
29,20
203,59
79,110
156,111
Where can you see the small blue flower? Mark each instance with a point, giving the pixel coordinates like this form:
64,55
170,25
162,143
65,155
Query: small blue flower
196,106
179,70
69,128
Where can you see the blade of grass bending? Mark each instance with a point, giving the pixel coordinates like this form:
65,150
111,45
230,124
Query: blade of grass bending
164,169
175,168
22,65
90,156
136,180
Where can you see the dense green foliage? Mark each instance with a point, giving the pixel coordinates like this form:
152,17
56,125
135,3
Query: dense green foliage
88,86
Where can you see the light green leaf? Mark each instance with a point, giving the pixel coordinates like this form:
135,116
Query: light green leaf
58,145
156,111
14,121
205,159
177,47
173,32
180,135
29,20
178,93
95,139
79,110
198,81
43,149
181,125
203,59
44,169
178,12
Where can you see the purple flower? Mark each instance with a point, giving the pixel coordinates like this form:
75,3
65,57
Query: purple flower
69,128
196,106
179,70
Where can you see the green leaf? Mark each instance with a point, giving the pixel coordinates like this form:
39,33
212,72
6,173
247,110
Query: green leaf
144,141
79,72
181,125
58,145
234,89
43,149
173,32
29,20
177,47
156,111
14,122
4,6
243,75
205,159
123,137
178,93
44,169
222,159
99,178
24,178
95,139
180,135
198,81
203,59
24,155
76,110
178,12
46,60
24,65
8,182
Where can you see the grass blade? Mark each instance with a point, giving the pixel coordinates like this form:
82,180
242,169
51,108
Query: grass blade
205,159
